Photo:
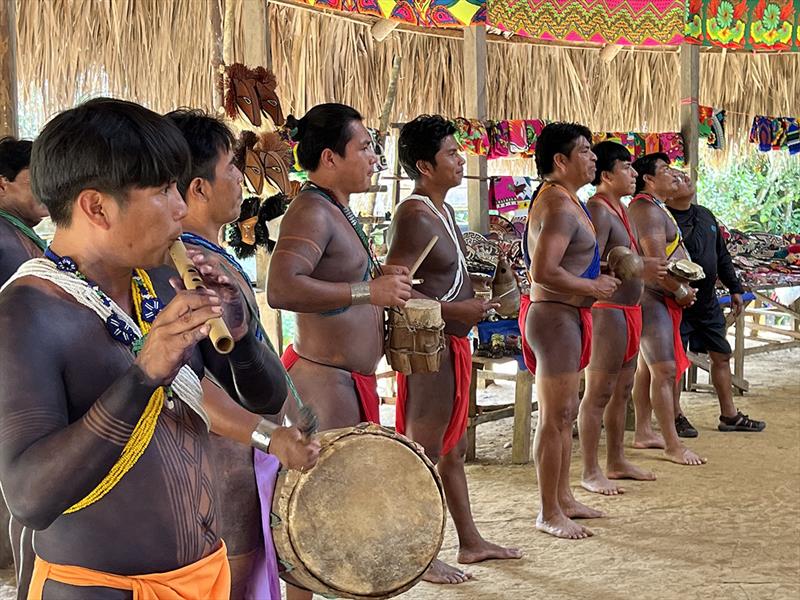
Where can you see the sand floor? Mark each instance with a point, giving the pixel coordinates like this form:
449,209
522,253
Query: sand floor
727,530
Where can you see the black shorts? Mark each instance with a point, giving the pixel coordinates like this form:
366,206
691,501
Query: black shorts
705,333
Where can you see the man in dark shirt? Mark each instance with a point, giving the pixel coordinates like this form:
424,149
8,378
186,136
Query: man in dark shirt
703,326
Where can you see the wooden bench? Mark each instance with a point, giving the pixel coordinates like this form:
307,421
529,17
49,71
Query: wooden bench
521,409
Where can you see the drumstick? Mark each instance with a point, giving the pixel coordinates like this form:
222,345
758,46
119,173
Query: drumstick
422,256
220,336
506,293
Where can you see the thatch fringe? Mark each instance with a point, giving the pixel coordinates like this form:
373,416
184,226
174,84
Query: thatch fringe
154,51
161,52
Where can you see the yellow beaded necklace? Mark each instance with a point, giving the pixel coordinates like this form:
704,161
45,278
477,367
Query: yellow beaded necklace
143,432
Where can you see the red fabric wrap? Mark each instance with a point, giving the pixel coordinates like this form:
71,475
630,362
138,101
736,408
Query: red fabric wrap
529,357
461,351
366,388
682,361
633,323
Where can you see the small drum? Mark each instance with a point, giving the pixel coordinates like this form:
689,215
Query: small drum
365,522
415,337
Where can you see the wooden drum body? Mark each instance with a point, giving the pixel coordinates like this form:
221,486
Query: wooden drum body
415,337
365,522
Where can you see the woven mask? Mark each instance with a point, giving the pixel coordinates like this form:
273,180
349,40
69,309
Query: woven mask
247,99
254,172
275,171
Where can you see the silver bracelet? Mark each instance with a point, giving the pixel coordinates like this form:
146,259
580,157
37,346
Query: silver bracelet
681,292
359,293
260,437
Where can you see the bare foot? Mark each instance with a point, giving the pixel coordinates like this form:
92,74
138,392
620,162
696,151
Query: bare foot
628,470
575,510
441,572
599,484
563,527
484,550
684,456
645,441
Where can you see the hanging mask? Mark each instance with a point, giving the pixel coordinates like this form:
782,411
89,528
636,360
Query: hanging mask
254,172
275,171
247,100
269,103
247,228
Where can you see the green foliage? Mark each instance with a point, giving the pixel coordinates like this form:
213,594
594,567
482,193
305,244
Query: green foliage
754,191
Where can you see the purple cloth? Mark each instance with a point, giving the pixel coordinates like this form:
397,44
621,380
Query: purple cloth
264,581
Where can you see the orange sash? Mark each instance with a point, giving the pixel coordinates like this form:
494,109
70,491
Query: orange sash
209,577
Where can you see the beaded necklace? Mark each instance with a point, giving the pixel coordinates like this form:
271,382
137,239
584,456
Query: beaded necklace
146,307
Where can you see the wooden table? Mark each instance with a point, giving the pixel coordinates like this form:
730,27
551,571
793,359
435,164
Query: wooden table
521,409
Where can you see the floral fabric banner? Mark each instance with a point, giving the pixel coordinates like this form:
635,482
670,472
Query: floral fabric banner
750,24
627,22
423,13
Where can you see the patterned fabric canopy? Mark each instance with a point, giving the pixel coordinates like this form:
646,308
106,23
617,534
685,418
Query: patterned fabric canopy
751,24
423,13
628,22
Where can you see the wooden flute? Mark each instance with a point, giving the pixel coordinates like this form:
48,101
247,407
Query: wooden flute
220,336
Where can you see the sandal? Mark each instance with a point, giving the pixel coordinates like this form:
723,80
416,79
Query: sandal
740,423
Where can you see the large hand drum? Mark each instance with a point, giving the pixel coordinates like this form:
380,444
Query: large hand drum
366,521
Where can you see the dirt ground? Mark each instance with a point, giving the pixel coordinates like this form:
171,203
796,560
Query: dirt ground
727,530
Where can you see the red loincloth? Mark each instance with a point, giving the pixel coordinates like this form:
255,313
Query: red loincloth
633,322
586,335
682,361
461,351
366,388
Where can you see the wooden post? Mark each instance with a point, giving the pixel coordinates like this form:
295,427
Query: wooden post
521,442
256,34
475,68
8,68
690,90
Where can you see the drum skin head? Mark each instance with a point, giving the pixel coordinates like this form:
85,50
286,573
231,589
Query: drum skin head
368,519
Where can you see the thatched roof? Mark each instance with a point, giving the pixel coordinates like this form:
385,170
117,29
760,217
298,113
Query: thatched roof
157,52
160,53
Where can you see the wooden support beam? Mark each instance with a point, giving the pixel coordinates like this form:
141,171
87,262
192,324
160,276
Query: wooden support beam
475,68
521,443
771,347
9,124
256,49
690,91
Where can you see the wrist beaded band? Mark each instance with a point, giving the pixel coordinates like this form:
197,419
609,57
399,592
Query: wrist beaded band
260,438
359,293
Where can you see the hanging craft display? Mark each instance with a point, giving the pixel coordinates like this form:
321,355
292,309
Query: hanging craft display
750,24
508,194
422,13
250,93
626,22
712,126
517,139
776,133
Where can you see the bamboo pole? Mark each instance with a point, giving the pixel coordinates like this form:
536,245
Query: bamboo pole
8,69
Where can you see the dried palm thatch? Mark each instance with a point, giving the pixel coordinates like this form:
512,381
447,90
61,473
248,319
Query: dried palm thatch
162,54
637,91
156,52
318,58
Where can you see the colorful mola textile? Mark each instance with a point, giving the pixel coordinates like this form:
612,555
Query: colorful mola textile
423,13
751,24
628,22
